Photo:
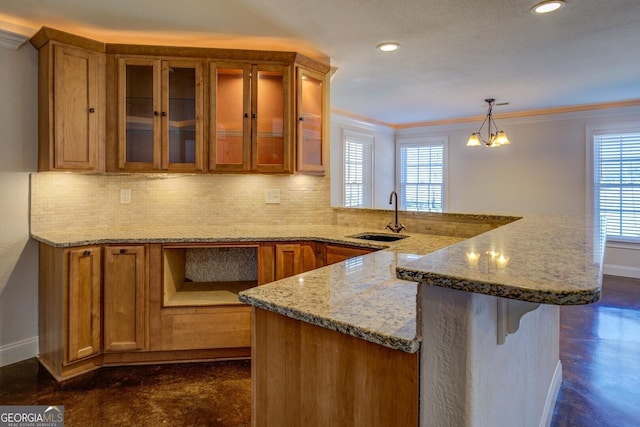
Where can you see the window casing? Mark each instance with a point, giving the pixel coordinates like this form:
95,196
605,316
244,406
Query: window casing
616,182
421,174
358,170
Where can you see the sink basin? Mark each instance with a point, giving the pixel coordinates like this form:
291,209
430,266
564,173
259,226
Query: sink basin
378,237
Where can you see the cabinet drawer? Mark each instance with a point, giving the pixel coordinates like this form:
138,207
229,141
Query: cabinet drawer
203,328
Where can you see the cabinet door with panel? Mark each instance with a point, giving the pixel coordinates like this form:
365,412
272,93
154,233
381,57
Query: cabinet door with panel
125,298
280,260
250,117
310,124
71,108
160,117
83,303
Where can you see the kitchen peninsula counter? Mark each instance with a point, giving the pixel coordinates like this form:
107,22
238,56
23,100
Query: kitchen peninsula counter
546,259
417,328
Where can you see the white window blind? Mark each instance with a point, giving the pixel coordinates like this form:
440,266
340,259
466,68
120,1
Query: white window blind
358,171
616,184
422,177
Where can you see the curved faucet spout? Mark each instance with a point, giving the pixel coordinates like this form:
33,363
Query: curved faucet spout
396,228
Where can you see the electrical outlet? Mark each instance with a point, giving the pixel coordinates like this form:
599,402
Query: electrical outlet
272,197
125,196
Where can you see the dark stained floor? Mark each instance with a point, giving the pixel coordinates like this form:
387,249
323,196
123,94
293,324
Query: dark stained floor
600,354
599,349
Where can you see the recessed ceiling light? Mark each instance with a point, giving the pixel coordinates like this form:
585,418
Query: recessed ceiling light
388,47
547,6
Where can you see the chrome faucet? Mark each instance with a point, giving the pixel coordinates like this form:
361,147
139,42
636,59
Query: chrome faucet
396,228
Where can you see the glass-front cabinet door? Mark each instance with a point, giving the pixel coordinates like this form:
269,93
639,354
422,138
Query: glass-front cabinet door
229,117
182,112
139,130
249,117
160,124
271,120
309,111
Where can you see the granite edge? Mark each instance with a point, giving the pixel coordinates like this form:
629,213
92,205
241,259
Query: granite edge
395,343
571,297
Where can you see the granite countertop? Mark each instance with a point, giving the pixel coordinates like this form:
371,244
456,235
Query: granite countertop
361,297
541,259
551,260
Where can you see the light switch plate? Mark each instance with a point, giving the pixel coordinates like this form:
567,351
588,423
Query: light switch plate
272,196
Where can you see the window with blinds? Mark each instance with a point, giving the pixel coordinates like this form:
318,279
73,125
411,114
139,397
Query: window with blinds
358,171
616,183
422,176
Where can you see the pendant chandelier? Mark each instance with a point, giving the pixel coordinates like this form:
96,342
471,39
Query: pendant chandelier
493,139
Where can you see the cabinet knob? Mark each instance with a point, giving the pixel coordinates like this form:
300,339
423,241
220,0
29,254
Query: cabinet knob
155,113
164,114
123,251
92,110
246,115
86,253
253,115
301,119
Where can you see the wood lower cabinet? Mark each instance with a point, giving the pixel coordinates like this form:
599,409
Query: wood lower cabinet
125,298
306,375
281,260
147,303
84,303
69,296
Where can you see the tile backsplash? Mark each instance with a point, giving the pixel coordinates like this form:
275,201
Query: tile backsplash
61,200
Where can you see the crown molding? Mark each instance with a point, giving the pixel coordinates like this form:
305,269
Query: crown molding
10,40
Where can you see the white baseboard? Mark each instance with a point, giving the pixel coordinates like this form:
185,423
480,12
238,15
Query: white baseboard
622,270
18,351
552,396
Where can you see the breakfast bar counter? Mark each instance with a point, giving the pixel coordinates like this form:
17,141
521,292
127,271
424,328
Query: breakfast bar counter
486,327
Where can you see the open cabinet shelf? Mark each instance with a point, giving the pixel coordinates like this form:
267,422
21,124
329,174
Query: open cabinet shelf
208,275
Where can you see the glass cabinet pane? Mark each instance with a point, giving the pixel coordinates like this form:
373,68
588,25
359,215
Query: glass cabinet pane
270,117
229,116
182,115
310,118
139,113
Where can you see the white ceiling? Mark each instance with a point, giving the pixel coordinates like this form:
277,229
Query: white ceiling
453,54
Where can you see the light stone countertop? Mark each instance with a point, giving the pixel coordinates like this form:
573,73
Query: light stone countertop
545,259
552,260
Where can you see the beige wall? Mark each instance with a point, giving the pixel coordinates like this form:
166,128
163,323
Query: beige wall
18,254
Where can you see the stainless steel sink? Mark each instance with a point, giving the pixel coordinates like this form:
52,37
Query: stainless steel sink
378,237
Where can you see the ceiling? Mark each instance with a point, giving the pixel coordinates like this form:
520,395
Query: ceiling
453,54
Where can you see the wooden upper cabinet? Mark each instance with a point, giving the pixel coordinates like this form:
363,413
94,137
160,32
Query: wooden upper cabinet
310,121
71,108
250,111
160,114
120,107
